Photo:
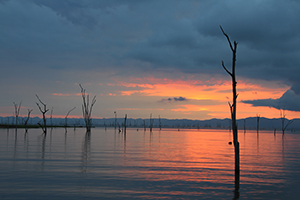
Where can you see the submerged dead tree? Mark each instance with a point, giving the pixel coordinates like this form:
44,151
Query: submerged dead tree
87,108
283,119
27,119
115,119
66,118
257,122
125,123
43,110
159,122
233,110
51,113
151,122
17,112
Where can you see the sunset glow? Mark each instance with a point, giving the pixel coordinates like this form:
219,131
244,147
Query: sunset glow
210,96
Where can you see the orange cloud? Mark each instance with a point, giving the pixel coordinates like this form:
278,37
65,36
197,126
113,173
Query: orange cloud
200,93
66,95
198,90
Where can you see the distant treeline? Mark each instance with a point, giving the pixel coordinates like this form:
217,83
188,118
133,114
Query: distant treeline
248,123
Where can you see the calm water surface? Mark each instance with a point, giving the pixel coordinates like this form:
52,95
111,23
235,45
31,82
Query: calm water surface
166,164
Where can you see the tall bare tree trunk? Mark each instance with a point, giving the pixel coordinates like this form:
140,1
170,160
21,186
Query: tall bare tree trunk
87,109
233,111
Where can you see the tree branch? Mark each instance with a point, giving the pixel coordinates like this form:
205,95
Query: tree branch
235,43
226,69
70,111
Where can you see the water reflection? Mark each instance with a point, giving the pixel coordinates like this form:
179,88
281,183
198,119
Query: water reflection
42,141
124,134
16,143
185,164
86,151
236,185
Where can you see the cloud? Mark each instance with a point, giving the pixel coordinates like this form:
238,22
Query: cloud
96,34
288,101
174,99
98,40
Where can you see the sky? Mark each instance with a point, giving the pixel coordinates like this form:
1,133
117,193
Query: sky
142,57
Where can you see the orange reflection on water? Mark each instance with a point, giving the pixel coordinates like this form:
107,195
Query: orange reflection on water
188,155
204,157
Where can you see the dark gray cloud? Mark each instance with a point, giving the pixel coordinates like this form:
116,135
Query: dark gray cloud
288,101
174,99
185,35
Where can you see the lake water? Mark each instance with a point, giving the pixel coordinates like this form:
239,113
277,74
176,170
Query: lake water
166,164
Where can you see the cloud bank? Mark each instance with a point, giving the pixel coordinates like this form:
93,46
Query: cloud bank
46,46
288,101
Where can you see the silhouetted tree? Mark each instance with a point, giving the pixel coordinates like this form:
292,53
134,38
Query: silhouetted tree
115,119
257,122
27,119
43,110
151,122
66,118
283,119
233,110
87,108
17,112
125,123
159,122
51,113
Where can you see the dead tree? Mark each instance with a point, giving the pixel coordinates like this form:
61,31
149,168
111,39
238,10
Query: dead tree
66,118
257,122
151,122
17,112
159,122
27,119
283,119
125,123
233,109
87,109
51,124
43,110
115,119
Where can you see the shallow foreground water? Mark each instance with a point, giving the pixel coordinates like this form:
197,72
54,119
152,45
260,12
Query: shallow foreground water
166,164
